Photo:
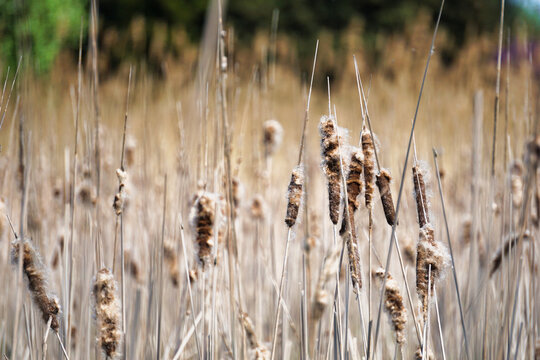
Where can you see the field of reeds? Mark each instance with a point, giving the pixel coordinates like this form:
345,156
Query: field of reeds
251,211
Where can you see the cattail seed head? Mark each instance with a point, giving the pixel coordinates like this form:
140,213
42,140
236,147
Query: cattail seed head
272,136
108,312
354,185
202,219
505,249
171,260
257,350
383,183
257,207
516,183
420,195
35,272
428,253
330,145
121,195
294,195
393,302
368,148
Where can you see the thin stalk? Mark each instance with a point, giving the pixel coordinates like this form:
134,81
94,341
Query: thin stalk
160,304
497,91
389,255
435,156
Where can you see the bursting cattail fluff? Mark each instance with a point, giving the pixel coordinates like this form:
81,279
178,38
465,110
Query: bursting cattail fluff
330,146
108,312
35,272
272,136
202,219
354,184
121,195
428,253
368,148
383,183
393,303
294,195
420,194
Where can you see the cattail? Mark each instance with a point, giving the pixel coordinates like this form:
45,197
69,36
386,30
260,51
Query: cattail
257,350
171,260
108,312
257,208
131,265
428,356
193,275
330,146
504,250
322,297
354,185
516,183
272,136
294,195
368,148
35,272
393,303
383,183
428,252
420,195
121,195
202,218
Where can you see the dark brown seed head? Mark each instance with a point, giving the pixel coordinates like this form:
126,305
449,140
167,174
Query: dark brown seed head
202,218
383,183
368,148
294,195
34,270
330,146
420,195
393,302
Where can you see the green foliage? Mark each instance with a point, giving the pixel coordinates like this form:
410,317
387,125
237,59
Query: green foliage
39,29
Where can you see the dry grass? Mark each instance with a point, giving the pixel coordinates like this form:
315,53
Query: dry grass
224,267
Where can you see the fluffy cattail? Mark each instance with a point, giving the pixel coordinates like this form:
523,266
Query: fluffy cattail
383,183
516,183
202,219
108,316
35,272
354,184
393,303
428,356
257,350
322,297
368,148
121,195
428,252
504,250
420,195
272,136
171,260
294,195
331,164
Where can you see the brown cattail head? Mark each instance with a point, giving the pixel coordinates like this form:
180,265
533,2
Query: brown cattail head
516,183
108,312
35,273
428,356
257,207
272,136
354,185
368,148
428,253
322,297
354,259
171,260
131,265
257,350
121,195
383,183
420,195
202,219
505,249
294,195
330,145
393,302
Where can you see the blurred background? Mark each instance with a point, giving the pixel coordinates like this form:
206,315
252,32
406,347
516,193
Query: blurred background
163,34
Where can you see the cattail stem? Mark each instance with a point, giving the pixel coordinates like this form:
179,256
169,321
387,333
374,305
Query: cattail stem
280,294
